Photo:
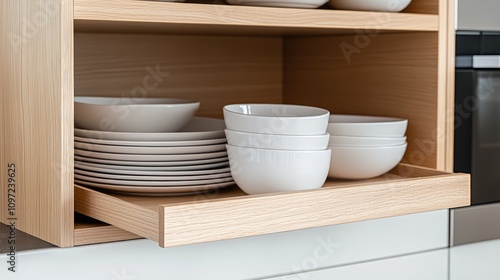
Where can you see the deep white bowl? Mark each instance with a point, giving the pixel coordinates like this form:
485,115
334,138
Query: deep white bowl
310,4
277,142
276,119
258,171
133,115
366,126
370,5
364,162
336,140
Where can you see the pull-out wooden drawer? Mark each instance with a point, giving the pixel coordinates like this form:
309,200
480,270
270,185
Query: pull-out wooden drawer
229,213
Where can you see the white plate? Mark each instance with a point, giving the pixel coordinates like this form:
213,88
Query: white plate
105,169
198,129
150,150
152,178
148,158
156,190
186,163
152,143
153,183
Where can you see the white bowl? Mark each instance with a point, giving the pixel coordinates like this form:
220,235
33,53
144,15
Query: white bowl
364,162
276,119
133,115
258,171
277,142
310,4
370,5
336,140
366,126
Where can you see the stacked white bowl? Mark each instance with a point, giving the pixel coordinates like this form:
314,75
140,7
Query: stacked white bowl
365,146
275,148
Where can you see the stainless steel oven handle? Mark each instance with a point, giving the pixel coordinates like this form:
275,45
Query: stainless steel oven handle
486,61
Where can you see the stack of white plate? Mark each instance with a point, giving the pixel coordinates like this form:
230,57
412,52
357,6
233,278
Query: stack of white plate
193,159
365,146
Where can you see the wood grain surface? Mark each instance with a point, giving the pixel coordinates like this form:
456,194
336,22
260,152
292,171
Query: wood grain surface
37,108
105,14
97,232
384,75
174,221
216,70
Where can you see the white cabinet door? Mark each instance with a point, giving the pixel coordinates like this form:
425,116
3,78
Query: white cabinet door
424,266
476,261
253,257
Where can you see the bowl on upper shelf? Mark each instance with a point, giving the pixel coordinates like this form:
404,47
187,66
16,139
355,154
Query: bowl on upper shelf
308,4
278,142
258,171
276,119
366,126
370,5
133,115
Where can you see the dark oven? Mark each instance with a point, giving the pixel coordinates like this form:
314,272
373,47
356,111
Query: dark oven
477,134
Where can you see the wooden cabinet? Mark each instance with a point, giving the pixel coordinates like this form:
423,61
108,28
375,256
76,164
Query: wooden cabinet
397,64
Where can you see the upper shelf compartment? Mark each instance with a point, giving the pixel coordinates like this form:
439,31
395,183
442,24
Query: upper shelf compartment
164,17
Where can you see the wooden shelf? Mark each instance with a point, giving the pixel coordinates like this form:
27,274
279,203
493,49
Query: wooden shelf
91,231
182,18
181,220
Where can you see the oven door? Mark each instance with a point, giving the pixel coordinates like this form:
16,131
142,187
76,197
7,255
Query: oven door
477,150
485,106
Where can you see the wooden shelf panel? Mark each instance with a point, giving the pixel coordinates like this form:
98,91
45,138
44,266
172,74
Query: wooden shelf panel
91,231
229,213
149,16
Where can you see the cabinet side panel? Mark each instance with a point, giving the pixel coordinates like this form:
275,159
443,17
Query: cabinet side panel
38,117
448,54
382,74
10,83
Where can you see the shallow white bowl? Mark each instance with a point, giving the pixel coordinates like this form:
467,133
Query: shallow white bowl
277,142
336,140
310,4
366,126
370,5
258,171
276,119
364,162
133,115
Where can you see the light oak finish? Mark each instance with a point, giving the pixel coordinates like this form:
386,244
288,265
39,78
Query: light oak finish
449,136
174,221
214,70
92,232
37,93
393,75
198,18
424,7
